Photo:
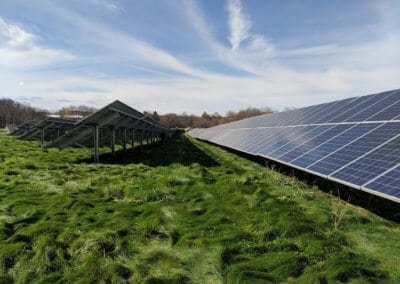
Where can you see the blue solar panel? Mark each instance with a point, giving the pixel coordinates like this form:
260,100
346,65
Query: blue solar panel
300,116
352,141
387,113
388,99
333,144
359,105
372,165
270,135
253,137
360,146
388,184
261,135
333,111
304,134
238,136
314,142
280,138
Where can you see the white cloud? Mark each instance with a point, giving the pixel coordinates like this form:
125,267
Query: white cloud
110,5
342,71
19,50
14,35
240,32
239,23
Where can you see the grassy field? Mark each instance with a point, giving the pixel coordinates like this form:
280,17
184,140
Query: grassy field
181,212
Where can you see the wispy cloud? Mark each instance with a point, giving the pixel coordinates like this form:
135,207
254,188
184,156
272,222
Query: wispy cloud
110,5
239,23
18,49
271,75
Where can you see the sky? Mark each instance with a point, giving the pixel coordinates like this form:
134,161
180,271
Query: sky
194,56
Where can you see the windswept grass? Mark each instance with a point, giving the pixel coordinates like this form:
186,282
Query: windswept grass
183,212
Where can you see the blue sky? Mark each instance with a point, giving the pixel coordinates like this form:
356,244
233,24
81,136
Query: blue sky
195,56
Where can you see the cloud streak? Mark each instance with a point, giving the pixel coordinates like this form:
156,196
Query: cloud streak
18,49
239,23
260,71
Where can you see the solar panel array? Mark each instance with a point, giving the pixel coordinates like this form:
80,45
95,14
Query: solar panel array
353,141
32,130
114,124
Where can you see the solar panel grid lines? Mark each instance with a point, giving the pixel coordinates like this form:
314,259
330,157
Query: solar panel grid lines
219,136
297,115
386,99
311,144
351,141
335,107
372,164
309,133
327,146
387,184
268,135
389,113
275,136
348,137
382,174
233,136
245,135
282,138
263,133
253,134
361,104
288,144
310,116
361,146
329,163
351,108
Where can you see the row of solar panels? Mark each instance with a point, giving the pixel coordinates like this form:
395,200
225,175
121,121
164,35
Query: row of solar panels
31,130
113,124
338,141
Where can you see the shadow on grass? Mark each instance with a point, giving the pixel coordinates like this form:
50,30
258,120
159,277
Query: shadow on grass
178,150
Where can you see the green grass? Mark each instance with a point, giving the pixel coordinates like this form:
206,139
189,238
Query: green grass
184,211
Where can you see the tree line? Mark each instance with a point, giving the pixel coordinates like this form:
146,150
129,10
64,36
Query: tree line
206,120
14,113
76,112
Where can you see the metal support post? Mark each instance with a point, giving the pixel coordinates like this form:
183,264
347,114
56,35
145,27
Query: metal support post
133,138
125,139
113,141
96,144
42,137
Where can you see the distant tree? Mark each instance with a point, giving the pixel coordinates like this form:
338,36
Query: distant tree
155,116
14,113
75,111
208,120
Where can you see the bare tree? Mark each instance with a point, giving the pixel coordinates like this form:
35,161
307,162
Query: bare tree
14,113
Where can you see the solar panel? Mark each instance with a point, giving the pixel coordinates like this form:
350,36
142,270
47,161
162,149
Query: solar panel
387,184
358,105
314,142
388,99
361,145
284,136
373,164
306,134
353,141
389,113
333,144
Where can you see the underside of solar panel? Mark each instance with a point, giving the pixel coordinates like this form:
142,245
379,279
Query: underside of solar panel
355,142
